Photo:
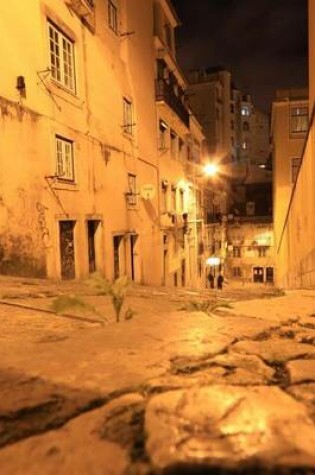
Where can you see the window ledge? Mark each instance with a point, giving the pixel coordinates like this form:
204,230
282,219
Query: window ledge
65,185
65,94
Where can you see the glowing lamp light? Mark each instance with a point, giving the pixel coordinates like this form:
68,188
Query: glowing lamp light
213,261
210,169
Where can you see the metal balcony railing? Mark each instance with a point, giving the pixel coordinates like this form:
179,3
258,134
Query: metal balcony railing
165,92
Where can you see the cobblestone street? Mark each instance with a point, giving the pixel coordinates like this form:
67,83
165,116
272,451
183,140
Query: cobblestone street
173,390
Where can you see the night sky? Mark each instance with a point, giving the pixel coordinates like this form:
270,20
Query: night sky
263,43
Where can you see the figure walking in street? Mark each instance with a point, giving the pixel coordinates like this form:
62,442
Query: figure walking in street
220,281
211,280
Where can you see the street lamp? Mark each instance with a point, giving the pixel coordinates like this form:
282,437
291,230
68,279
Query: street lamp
210,170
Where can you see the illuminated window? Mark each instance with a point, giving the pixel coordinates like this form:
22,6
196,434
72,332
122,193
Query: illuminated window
295,165
299,119
245,111
61,50
127,116
112,16
132,190
64,159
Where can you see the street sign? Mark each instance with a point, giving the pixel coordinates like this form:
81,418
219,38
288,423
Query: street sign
147,192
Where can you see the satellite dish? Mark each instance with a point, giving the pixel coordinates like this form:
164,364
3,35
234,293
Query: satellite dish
148,192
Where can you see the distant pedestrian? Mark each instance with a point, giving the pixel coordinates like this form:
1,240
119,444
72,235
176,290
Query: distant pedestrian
220,281
211,280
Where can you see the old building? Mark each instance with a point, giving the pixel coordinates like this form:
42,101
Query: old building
237,134
294,202
94,136
288,130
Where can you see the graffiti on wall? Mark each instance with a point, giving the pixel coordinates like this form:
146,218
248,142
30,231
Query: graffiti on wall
42,224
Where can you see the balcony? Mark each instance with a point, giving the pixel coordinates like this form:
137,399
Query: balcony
165,92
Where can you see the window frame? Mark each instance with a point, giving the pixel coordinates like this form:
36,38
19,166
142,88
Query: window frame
128,116
237,252
64,74
301,120
112,16
132,189
62,154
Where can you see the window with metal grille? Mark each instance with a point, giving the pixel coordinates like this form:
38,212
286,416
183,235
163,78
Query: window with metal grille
132,190
64,159
112,16
127,116
61,50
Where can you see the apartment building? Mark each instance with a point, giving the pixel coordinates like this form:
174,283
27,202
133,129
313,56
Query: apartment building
84,167
237,133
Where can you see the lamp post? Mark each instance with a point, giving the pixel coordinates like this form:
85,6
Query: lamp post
209,170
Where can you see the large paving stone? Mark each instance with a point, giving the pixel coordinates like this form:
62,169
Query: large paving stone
229,427
102,442
301,371
275,350
306,394
249,363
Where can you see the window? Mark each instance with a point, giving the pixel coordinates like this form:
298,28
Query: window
181,200
164,187
295,165
112,16
217,113
245,111
245,145
64,159
180,148
61,58
299,119
237,272
173,198
127,116
162,135
232,124
236,251
232,108
173,144
132,190
245,126
262,251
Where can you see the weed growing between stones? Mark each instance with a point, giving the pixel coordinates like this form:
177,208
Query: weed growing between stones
278,292
206,306
116,290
